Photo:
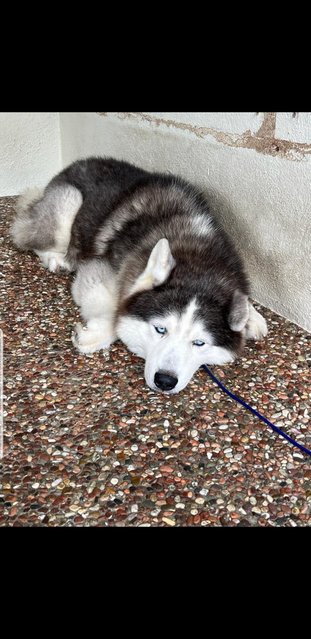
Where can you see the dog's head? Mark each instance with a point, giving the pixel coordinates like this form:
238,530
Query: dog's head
177,323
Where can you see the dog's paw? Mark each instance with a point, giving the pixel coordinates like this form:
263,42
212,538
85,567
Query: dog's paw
87,340
53,265
53,261
256,327
58,263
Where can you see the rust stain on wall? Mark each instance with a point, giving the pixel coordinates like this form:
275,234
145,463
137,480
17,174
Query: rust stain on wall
263,141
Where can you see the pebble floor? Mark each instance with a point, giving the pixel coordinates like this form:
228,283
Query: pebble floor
86,443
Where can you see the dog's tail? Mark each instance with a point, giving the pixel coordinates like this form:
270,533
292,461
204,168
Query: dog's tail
23,229
44,219
27,199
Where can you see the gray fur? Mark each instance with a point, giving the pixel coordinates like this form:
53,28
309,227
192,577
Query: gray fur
42,222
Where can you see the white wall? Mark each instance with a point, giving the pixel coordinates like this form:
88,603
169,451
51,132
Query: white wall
30,150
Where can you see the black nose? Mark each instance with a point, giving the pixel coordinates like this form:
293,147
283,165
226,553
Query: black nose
165,381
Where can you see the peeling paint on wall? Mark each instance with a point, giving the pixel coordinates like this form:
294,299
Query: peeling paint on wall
267,129
264,141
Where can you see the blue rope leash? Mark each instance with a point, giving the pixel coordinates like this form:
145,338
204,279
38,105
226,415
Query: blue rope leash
255,412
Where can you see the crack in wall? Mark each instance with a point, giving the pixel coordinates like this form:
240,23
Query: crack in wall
263,141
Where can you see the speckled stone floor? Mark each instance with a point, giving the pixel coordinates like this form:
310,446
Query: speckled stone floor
86,443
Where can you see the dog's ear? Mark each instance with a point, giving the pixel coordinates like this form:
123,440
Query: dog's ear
239,311
158,269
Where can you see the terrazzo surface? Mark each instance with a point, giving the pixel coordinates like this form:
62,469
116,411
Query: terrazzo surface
86,443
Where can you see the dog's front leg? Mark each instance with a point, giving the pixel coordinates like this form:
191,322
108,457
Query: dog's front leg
94,291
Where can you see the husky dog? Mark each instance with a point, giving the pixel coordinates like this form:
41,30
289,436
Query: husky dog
154,267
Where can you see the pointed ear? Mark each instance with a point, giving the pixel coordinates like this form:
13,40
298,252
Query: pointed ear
158,269
239,311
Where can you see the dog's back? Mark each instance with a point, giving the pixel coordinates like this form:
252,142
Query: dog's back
102,207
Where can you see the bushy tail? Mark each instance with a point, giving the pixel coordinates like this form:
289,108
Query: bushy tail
27,199
23,230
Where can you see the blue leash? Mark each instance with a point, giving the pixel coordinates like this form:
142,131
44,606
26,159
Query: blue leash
255,412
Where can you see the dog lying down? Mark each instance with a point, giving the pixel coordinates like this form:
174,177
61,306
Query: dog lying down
153,266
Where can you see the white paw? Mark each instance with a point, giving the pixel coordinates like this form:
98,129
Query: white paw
52,265
256,327
58,263
88,340
53,260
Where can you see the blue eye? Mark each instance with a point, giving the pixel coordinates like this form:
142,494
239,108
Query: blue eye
161,330
198,342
